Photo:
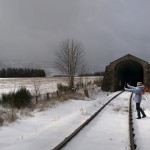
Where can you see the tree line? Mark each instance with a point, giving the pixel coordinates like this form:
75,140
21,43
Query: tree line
21,72
85,74
93,74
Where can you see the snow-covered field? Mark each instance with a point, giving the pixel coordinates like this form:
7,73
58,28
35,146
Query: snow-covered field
45,129
46,85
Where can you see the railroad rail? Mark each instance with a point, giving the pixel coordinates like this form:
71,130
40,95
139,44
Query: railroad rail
72,135
131,129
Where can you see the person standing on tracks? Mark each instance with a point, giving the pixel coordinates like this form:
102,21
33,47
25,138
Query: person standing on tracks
138,91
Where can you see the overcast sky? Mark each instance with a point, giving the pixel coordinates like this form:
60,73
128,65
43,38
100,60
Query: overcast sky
107,29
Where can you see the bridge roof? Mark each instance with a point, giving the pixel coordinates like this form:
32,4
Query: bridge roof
129,57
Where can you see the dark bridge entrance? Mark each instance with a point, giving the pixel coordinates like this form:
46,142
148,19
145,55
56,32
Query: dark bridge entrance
128,72
127,69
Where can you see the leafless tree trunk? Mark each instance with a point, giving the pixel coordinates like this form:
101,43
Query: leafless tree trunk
37,84
12,100
68,59
84,79
83,71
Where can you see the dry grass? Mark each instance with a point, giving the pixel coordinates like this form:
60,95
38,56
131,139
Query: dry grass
43,105
25,112
126,109
117,109
1,121
76,96
121,109
111,104
9,115
53,101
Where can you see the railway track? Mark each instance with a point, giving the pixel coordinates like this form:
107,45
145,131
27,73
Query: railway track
131,129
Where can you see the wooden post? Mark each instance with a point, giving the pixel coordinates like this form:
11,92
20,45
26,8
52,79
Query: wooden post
47,96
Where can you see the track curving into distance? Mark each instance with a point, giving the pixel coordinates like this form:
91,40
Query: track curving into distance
72,135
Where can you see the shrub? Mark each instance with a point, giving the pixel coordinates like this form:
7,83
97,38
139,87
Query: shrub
98,83
62,88
21,98
8,99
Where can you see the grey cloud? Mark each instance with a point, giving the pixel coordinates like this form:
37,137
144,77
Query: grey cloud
108,29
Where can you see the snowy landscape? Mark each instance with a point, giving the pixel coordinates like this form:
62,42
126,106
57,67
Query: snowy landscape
61,61
43,130
46,85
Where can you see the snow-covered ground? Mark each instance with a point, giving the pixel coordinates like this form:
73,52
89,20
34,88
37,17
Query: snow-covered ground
45,129
142,126
108,131
46,85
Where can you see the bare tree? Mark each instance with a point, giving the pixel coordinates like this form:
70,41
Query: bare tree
68,59
83,71
84,79
37,85
12,100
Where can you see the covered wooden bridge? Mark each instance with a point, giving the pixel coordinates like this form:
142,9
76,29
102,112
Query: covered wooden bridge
127,69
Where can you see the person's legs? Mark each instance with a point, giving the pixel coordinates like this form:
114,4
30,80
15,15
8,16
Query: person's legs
143,113
138,110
